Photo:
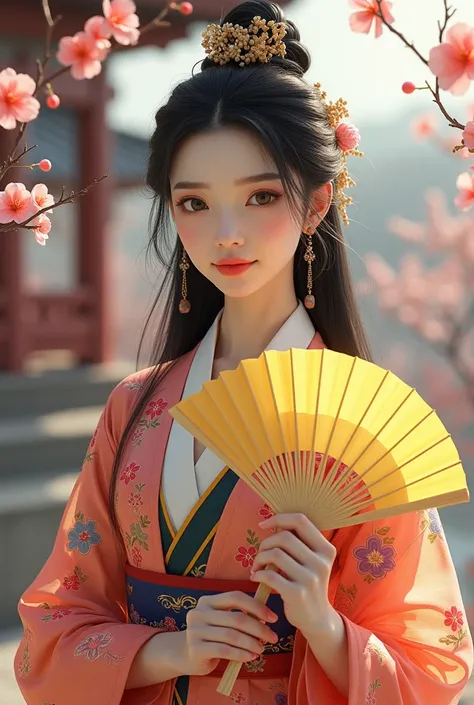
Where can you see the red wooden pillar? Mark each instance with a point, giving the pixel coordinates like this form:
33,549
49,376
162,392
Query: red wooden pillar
12,330
94,209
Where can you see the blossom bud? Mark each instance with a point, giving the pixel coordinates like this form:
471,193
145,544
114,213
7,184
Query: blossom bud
408,87
53,101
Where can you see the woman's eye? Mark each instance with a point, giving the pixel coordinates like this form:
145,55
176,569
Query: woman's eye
263,198
193,205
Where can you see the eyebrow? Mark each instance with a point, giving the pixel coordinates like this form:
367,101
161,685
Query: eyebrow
268,176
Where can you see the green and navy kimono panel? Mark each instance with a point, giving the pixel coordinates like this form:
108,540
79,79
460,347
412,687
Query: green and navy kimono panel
163,600
187,551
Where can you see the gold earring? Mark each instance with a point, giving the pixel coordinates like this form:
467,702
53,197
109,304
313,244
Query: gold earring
184,304
309,257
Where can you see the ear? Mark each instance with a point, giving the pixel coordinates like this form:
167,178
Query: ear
321,200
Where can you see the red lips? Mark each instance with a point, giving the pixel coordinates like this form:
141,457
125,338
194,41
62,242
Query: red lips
232,267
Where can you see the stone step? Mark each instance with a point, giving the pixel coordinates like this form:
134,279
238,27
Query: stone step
36,445
30,512
31,394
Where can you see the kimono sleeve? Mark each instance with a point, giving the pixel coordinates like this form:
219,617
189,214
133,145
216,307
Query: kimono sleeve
77,646
398,594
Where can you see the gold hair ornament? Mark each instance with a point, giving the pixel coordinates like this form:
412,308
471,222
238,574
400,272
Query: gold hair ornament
348,138
261,41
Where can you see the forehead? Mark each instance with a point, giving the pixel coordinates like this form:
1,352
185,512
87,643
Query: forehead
227,153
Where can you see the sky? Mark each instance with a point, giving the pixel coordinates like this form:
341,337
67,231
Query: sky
367,72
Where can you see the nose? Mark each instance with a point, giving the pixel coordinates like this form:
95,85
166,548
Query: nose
228,234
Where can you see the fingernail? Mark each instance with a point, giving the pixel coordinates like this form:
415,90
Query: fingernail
272,617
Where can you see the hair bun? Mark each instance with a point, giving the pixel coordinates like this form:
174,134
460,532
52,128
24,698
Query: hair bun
297,58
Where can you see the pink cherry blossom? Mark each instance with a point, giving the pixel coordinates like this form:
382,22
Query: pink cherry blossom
424,126
16,204
43,227
367,13
98,28
468,135
82,53
16,99
348,136
452,62
121,20
41,197
465,199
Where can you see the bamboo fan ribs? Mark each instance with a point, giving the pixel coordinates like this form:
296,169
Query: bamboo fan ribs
326,434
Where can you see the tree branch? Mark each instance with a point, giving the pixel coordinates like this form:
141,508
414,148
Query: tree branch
448,14
12,226
401,36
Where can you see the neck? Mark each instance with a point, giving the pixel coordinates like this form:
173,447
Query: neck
248,324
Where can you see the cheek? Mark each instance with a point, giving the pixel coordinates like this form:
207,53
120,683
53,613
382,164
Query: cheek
278,227
189,230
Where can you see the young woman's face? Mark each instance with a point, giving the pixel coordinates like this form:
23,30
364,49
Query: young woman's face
231,212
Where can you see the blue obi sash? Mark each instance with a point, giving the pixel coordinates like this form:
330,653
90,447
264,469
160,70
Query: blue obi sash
162,600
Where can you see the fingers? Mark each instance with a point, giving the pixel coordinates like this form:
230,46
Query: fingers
286,564
304,529
230,637
290,543
238,621
240,601
217,650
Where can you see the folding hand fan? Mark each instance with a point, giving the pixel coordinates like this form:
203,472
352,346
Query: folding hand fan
328,435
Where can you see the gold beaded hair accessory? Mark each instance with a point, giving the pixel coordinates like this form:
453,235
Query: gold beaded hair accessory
348,138
261,41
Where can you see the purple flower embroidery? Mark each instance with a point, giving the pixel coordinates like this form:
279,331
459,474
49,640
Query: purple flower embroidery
281,699
435,526
375,558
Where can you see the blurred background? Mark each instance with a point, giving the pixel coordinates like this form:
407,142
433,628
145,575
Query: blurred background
71,313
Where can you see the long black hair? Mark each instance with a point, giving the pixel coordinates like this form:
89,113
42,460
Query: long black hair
273,102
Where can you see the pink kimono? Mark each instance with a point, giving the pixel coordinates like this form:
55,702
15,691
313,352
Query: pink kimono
91,609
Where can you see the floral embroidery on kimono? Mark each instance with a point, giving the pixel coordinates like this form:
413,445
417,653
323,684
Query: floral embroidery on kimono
83,536
96,622
246,554
377,557
454,619
371,697
96,646
73,580
432,524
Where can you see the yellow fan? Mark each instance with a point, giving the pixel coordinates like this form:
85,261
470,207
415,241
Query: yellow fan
326,434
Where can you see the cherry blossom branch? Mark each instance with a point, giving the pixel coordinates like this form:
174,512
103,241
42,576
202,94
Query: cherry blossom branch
12,226
452,122
13,158
5,167
401,36
435,92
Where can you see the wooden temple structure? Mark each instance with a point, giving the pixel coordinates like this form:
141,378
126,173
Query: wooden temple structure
78,320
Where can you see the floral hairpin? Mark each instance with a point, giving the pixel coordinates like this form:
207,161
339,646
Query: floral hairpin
259,42
348,138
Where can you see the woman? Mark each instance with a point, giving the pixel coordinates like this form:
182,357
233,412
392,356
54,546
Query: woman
149,587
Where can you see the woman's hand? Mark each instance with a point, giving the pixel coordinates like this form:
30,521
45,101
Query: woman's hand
304,559
215,632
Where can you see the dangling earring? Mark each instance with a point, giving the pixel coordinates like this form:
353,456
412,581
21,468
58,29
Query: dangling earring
184,304
309,257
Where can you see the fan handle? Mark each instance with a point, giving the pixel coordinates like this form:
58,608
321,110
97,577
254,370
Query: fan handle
232,670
